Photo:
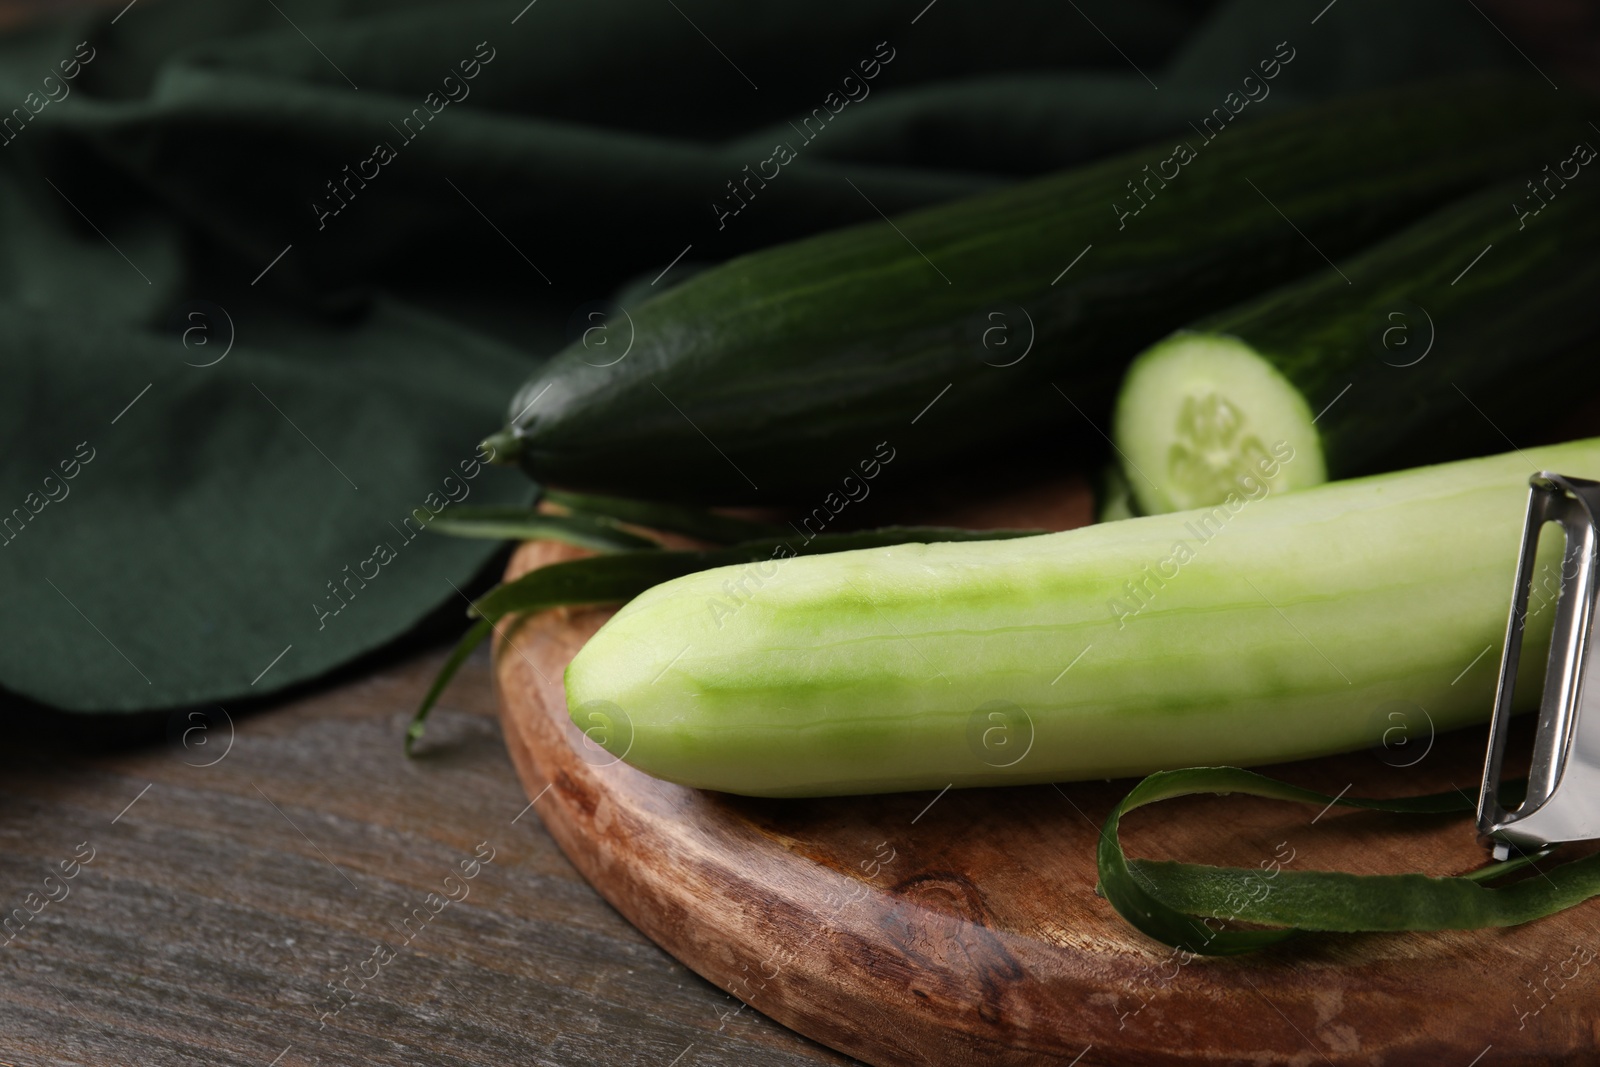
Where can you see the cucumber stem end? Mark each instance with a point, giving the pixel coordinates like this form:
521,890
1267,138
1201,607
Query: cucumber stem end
503,446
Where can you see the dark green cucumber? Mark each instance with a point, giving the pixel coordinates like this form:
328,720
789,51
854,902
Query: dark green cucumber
771,377
1450,338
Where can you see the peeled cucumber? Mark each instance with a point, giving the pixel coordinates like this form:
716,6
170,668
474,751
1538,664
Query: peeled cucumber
1272,627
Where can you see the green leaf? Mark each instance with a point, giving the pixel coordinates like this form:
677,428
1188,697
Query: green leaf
1177,903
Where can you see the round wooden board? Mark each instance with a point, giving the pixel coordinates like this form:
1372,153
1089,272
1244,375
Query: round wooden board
962,928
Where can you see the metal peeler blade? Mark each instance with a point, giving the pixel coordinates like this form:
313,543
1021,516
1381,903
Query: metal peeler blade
1563,800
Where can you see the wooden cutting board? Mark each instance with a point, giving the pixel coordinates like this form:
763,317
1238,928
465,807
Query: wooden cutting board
963,928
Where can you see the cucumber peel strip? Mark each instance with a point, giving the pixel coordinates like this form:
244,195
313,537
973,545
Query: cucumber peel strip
621,576
698,523
597,522
519,523
616,577
1173,902
458,655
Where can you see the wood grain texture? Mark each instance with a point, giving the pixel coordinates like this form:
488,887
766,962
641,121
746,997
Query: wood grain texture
964,928
218,907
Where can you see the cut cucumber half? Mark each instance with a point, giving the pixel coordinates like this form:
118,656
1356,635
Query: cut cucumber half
1203,417
1444,340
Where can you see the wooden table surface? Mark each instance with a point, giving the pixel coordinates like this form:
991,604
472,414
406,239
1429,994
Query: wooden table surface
222,904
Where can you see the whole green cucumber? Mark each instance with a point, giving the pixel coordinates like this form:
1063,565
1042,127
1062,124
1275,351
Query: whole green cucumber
1271,627
1447,337
769,377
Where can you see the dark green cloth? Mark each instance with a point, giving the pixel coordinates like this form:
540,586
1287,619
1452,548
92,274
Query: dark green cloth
174,196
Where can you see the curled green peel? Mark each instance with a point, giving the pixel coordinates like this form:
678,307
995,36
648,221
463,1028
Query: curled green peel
1180,904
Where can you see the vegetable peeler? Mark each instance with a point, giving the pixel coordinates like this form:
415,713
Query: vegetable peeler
1563,799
